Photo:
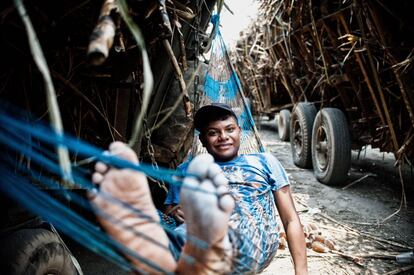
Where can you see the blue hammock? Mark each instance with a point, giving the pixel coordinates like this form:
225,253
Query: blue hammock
223,85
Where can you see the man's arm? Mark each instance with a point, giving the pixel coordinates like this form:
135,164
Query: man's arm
171,203
293,229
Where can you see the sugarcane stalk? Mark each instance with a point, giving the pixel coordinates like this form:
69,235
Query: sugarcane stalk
187,15
365,74
405,96
180,77
379,87
164,15
318,42
148,77
182,45
53,106
102,37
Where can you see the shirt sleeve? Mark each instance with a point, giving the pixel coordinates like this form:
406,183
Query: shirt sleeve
173,195
277,174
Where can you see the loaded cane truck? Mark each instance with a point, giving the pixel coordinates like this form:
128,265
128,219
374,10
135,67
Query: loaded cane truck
340,76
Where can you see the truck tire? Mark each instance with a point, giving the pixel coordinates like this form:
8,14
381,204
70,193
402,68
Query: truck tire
331,146
36,252
283,124
301,123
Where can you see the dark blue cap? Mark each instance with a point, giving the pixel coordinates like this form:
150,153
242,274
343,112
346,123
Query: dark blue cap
205,113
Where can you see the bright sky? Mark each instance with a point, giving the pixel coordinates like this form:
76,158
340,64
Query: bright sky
231,25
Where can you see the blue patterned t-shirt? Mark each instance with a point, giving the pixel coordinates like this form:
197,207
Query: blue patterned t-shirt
253,222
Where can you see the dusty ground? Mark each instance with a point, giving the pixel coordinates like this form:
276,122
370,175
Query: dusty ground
352,216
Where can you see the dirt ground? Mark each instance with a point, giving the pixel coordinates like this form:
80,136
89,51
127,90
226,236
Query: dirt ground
354,216
351,216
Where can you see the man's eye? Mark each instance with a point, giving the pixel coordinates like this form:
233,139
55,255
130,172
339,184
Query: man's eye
212,133
231,130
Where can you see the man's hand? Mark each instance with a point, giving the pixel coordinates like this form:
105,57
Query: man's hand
176,212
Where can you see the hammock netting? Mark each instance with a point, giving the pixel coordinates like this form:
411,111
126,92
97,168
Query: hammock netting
222,85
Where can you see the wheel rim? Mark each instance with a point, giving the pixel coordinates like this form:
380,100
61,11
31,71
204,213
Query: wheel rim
297,138
322,148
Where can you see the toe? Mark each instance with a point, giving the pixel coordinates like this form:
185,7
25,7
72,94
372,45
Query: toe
226,201
216,174
101,167
213,170
199,165
121,150
220,180
97,178
189,185
207,186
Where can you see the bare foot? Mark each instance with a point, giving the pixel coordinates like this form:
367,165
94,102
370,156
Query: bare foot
207,211
131,187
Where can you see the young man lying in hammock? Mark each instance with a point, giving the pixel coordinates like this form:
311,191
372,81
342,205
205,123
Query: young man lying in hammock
234,213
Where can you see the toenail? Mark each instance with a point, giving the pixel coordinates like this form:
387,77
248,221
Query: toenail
220,180
220,196
194,176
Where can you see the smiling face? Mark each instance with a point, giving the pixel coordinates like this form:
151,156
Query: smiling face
222,138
